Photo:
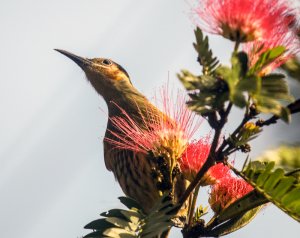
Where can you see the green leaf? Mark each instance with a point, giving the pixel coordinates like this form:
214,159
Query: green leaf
118,222
193,82
118,233
189,80
275,84
266,58
200,211
241,206
205,102
235,223
247,133
99,224
132,216
133,222
208,93
243,61
292,68
237,214
275,185
268,105
95,234
130,203
159,218
272,93
232,76
250,84
205,56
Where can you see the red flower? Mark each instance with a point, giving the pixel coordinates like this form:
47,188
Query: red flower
243,20
193,159
227,191
215,174
286,37
163,134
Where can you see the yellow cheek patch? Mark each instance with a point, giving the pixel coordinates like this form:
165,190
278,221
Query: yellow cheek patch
118,75
112,72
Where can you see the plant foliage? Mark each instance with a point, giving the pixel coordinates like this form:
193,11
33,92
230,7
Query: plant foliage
275,176
207,92
205,55
238,84
133,223
292,68
277,186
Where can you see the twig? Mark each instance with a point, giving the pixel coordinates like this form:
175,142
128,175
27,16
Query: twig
236,46
193,205
210,161
226,142
293,107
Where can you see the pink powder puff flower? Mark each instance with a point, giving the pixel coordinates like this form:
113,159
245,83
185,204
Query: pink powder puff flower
242,20
164,134
193,159
287,38
227,191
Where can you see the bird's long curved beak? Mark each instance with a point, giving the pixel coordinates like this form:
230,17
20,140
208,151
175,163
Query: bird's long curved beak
80,61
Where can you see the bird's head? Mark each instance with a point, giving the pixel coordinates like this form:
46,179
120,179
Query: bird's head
107,77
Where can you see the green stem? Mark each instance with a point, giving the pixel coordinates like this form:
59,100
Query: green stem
193,205
236,46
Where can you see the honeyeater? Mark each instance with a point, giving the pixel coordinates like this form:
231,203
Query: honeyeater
132,170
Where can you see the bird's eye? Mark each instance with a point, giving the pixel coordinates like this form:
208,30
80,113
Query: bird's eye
106,62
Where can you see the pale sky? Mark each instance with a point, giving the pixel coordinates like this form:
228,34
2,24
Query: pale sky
52,177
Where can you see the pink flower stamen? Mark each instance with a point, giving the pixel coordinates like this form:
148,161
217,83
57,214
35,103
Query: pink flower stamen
242,20
193,159
227,191
164,134
289,40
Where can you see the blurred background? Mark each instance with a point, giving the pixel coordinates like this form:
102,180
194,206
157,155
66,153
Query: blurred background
52,176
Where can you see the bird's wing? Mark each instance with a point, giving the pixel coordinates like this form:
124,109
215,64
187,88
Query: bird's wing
108,156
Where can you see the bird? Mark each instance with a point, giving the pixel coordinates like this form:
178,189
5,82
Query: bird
132,170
